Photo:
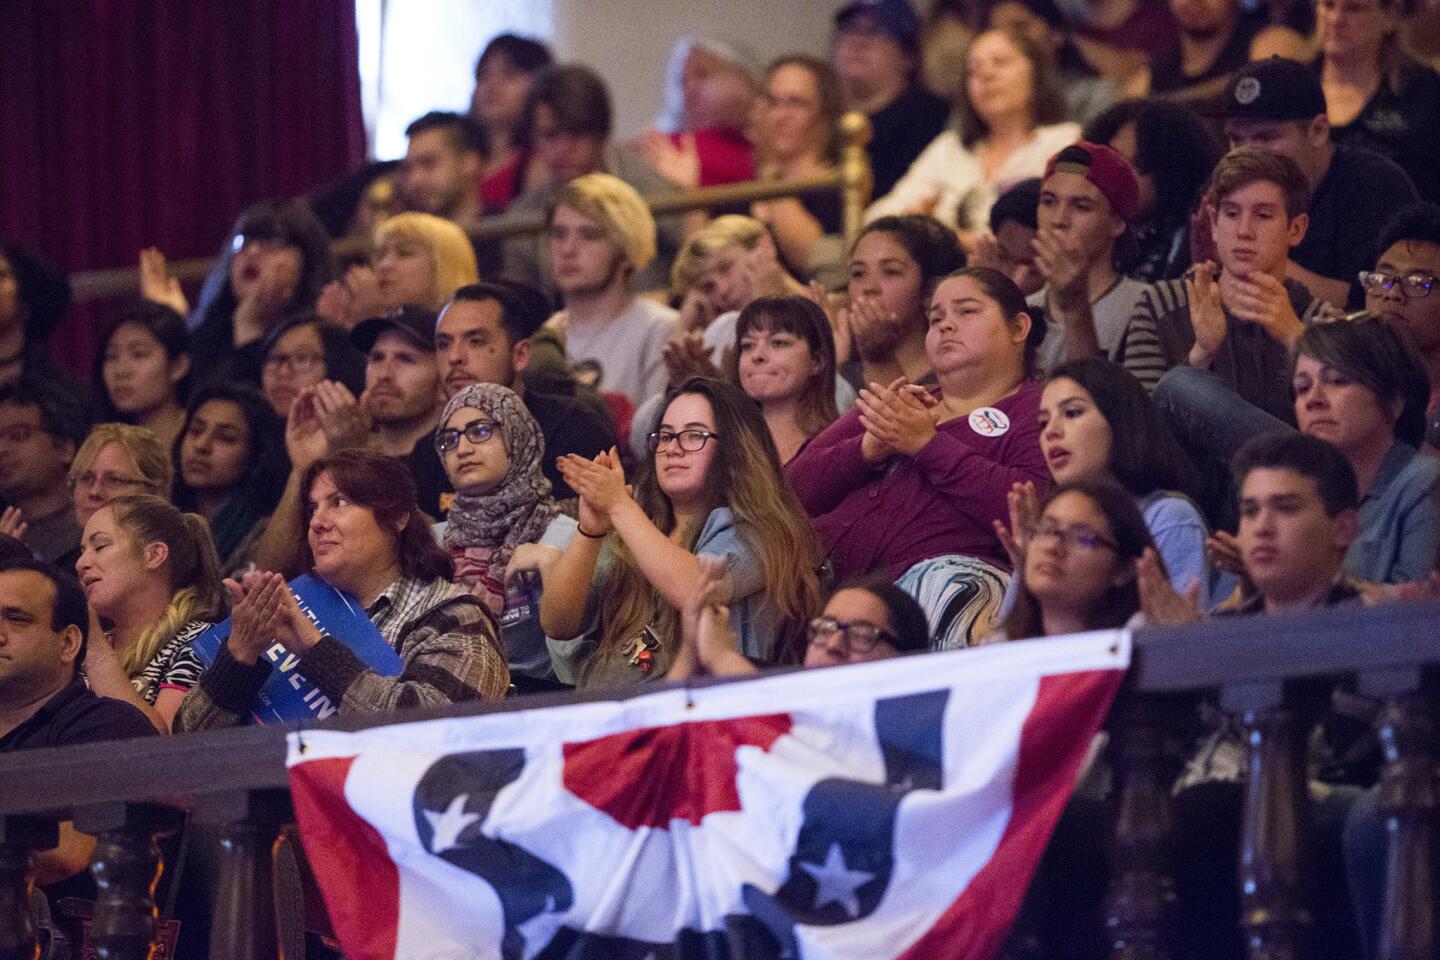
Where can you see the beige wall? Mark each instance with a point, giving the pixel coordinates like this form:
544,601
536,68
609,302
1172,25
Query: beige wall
629,41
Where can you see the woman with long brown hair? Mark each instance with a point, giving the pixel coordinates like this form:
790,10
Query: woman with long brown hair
712,486
784,360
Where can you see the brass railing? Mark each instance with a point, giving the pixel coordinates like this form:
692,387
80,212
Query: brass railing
128,792
851,178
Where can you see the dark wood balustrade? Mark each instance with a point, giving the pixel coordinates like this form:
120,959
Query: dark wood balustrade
129,793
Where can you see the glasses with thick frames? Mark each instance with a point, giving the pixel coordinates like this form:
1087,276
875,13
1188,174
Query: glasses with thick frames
858,636
1415,284
1075,535
476,431
691,441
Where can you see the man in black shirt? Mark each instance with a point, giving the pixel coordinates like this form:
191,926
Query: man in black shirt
877,54
43,702
1279,104
483,336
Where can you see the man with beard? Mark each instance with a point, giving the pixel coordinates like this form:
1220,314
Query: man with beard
441,176
1217,38
601,234
402,381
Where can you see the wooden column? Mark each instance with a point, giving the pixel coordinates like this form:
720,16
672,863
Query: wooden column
244,924
1142,890
1409,796
1272,906
19,838
856,178
126,865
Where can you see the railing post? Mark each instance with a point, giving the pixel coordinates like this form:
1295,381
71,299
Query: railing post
1142,890
1409,796
244,923
126,865
1273,917
856,178
19,838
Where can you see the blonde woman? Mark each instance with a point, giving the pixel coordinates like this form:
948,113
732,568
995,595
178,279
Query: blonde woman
419,259
117,460
152,578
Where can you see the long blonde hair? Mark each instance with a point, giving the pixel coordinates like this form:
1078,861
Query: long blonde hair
193,569
744,476
450,251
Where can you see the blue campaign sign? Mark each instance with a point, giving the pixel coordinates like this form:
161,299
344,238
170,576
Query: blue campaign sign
287,695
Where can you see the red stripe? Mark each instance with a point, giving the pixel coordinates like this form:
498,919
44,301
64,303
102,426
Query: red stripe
357,878
1068,711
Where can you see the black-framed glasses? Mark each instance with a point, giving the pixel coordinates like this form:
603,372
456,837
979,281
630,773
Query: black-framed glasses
691,441
1074,535
476,431
858,636
1416,284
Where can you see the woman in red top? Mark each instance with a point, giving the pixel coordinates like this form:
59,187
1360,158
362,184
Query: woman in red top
908,483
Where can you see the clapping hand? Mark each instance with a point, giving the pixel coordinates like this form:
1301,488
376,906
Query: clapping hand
1159,601
1261,299
600,484
678,164
839,321
344,420
1024,506
1207,313
12,523
158,284
874,330
901,418
685,355
253,617
1062,264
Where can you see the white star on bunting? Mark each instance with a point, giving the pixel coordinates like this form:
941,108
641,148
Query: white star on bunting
835,882
448,826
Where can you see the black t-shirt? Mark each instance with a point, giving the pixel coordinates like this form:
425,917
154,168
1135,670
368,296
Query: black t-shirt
1403,125
1360,193
76,715
567,425
900,131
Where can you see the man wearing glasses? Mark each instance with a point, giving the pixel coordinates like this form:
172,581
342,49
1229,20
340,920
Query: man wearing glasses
1401,290
41,427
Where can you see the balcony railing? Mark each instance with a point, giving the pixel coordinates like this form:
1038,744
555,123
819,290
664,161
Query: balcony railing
127,793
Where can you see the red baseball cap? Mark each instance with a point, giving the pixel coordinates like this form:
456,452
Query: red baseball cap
1111,173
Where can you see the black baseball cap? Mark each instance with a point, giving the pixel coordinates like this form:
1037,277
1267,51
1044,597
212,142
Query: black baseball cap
415,324
895,19
1274,89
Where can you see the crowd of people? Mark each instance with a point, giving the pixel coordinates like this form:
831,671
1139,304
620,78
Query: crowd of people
1139,330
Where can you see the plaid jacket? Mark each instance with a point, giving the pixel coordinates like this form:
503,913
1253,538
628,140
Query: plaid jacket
447,640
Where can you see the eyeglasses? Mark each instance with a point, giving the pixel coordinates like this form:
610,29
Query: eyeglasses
1075,535
1414,284
109,482
21,433
857,636
295,362
691,441
476,431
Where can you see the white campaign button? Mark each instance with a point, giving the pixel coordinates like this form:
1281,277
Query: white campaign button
989,422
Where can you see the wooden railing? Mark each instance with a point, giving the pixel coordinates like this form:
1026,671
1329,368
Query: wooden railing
851,178
127,793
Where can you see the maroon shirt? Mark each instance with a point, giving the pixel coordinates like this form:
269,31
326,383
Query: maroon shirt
888,517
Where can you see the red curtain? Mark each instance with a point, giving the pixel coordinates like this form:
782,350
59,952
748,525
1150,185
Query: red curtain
127,123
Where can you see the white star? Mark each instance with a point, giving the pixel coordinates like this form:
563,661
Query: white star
448,826
835,882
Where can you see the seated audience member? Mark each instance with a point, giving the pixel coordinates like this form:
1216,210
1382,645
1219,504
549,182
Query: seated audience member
484,336
363,535
275,264
303,351
910,482
1012,119
42,425
144,370
1173,153
1078,570
1086,93
502,76
1087,200
700,137
865,620
797,133
502,511
1379,96
36,297
230,468
1097,424
444,155
1279,104
402,379
784,360
568,119
419,260
1229,336
117,460
1360,386
610,602
1217,37
1399,291
44,701
1010,245
895,265
877,59
601,237
150,572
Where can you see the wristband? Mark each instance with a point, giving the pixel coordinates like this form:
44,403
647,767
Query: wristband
586,533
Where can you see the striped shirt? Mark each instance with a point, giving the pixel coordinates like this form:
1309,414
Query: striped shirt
173,667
